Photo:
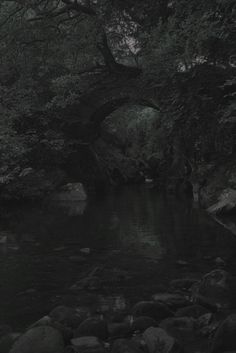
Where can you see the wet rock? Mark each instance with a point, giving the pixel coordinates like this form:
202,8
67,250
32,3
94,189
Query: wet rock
66,316
31,185
120,330
204,320
174,325
220,263
206,302
182,283
125,346
26,172
71,192
83,312
217,288
205,325
73,208
142,323
139,341
44,321
173,301
149,180
3,239
87,344
94,326
182,263
85,251
113,305
119,317
157,311
44,339
158,341
184,332
226,202
194,311
66,332
70,349
225,336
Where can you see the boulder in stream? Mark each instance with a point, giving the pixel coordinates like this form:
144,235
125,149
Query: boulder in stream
156,310
158,341
194,311
173,301
125,346
93,326
142,323
225,336
182,283
226,203
178,324
87,344
67,316
119,330
43,339
216,288
71,192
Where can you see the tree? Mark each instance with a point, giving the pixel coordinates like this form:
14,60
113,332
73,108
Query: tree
54,51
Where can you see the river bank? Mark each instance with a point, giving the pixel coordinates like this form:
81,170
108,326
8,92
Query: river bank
193,316
138,243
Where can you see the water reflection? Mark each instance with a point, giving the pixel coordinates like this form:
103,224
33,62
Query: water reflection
137,219
128,229
73,208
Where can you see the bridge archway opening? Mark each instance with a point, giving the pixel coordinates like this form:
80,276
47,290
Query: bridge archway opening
113,105
132,121
128,142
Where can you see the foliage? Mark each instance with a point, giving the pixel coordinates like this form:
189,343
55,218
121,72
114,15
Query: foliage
132,129
197,32
54,51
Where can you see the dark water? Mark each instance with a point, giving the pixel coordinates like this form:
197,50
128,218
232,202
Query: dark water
136,237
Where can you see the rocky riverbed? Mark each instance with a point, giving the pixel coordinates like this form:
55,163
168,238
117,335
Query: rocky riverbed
190,316
148,274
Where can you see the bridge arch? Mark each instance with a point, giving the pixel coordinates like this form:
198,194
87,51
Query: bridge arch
85,119
96,106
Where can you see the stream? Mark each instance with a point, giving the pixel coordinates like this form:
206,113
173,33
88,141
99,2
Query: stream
135,239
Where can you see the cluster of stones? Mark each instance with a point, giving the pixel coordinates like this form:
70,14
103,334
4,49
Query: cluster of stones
194,316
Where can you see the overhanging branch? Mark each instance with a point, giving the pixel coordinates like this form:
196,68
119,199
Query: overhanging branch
10,16
74,5
102,40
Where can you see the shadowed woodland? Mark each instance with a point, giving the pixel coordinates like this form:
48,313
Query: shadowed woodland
129,104
67,65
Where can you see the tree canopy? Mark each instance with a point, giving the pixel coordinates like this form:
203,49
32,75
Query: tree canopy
50,50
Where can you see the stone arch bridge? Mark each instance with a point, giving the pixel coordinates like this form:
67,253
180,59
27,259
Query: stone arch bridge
107,96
